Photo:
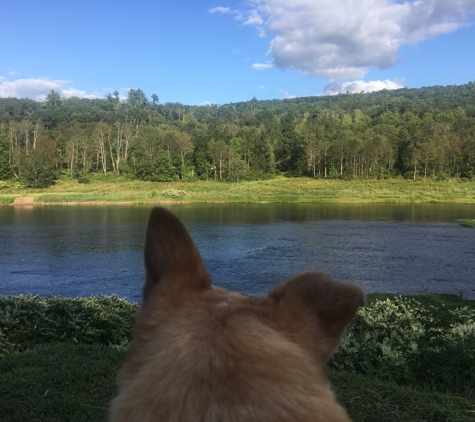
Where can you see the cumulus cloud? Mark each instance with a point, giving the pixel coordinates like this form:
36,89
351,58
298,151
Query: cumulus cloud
334,87
341,39
38,88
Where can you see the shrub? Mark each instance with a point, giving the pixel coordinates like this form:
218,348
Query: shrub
26,321
19,185
84,180
404,341
4,185
173,193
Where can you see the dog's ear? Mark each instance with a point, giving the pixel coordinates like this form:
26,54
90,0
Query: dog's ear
172,260
315,309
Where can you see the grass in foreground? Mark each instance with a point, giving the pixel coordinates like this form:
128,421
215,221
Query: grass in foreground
118,189
369,399
59,382
403,359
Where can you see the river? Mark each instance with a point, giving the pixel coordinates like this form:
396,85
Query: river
89,250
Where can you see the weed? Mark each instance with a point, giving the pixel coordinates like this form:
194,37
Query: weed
402,340
173,193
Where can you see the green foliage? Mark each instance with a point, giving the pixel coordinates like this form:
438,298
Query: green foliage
173,193
5,165
4,185
37,169
402,360
466,223
408,342
145,169
53,100
19,186
83,180
418,133
28,321
164,169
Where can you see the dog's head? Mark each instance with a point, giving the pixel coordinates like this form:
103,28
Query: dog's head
203,353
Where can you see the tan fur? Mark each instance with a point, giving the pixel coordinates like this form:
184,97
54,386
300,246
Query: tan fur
201,353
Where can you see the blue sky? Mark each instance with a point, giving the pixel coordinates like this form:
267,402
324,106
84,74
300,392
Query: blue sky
223,51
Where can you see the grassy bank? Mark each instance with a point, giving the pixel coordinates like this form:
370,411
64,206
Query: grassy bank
117,189
403,359
466,223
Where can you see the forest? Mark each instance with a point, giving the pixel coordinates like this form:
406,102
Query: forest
406,133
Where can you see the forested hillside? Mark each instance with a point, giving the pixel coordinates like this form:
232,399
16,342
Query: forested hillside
414,133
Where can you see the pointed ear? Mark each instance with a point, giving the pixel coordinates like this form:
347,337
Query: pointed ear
316,309
172,260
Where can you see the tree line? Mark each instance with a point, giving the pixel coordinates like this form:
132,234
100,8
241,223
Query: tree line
411,133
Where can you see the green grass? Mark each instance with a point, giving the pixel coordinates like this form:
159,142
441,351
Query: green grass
466,223
59,382
403,358
369,399
112,189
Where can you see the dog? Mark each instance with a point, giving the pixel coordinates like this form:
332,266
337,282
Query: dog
202,353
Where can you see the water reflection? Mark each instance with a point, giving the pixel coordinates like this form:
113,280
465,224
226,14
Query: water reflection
90,250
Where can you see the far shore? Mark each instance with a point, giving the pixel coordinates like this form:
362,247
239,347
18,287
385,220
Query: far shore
113,190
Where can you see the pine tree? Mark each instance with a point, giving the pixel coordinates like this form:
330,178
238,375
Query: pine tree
164,169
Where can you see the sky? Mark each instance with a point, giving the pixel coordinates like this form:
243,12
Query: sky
224,51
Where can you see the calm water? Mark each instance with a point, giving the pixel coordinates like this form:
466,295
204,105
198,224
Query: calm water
80,251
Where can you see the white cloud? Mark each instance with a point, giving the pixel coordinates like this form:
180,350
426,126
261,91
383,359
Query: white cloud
38,88
262,66
228,11
262,87
334,87
220,9
286,94
341,39
254,19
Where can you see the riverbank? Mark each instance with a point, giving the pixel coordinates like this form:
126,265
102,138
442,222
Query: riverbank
119,190
403,358
466,223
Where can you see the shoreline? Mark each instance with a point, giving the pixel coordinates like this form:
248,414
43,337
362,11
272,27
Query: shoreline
158,203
